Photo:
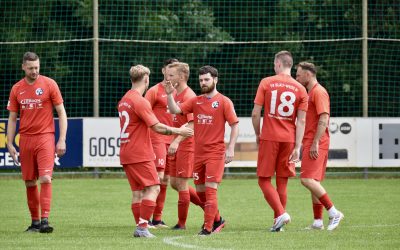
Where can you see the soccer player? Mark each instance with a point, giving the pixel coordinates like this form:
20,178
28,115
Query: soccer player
211,111
181,149
136,152
285,105
158,100
33,98
316,147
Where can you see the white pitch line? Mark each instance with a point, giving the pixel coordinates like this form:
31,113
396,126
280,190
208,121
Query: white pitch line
172,241
383,225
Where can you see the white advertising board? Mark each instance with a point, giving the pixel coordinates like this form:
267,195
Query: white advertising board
101,142
355,142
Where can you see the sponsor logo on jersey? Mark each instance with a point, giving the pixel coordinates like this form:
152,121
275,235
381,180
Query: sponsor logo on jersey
204,119
39,91
215,104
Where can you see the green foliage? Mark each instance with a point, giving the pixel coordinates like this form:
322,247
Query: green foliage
239,37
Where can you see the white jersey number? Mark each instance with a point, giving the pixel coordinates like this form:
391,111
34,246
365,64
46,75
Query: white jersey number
288,103
126,115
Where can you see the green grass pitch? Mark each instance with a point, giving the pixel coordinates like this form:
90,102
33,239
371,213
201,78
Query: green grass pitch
95,214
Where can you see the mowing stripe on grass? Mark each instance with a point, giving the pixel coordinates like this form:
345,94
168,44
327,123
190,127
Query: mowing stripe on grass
172,241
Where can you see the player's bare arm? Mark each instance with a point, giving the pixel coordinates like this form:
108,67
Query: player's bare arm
322,124
11,129
300,126
166,130
256,118
172,106
61,147
173,147
230,150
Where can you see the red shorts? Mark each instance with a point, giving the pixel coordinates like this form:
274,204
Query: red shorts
36,155
141,175
273,157
160,150
208,170
181,164
314,169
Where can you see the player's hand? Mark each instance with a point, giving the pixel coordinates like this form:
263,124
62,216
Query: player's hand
258,140
314,151
61,148
173,147
169,87
229,154
14,154
186,132
294,156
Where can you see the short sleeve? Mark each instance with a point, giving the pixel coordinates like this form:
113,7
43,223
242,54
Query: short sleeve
321,101
229,112
151,95
13,104
303,104
56,97
260,95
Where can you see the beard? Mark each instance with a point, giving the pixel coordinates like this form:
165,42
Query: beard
208,89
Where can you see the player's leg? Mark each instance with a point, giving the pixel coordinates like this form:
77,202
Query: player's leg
30,175
144,175
213,173
281,187
183,171
266,167
183,202
137,192
312,172
161,164
45,161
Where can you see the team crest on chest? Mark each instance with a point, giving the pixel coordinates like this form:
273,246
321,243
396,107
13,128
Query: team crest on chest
39,91
215,104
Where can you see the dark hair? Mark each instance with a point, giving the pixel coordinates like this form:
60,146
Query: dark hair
169,61
308,66
30,56
208,69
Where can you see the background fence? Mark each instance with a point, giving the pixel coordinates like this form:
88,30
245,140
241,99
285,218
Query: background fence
240,38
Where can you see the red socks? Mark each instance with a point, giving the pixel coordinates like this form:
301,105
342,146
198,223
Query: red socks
32,196
194,197
146,210
271,195
45,199
326,201
211,208
160,202
281,187
183,207
136,211
318,210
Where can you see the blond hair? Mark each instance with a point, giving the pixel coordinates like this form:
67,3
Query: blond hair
285,57
182,68
137,72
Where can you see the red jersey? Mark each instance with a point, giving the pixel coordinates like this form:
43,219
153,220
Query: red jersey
135,116
281,96
35,104
318,103
180,119
158,100
209,117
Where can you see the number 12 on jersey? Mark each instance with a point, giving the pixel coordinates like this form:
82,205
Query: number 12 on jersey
126,115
